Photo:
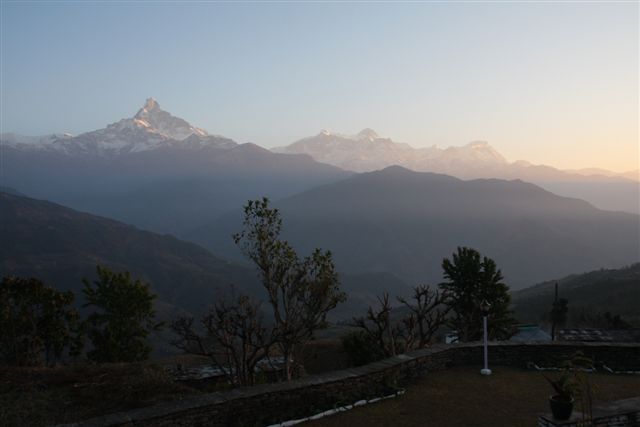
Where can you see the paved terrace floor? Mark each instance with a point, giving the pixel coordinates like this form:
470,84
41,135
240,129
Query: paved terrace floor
462,397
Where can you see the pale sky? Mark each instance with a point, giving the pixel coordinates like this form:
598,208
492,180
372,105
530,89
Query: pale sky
553,83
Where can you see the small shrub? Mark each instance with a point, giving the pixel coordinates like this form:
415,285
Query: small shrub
361,349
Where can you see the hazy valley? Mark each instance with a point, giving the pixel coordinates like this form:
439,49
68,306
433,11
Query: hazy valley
162,174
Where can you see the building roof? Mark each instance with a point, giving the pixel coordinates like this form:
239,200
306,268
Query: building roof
527,333
599,335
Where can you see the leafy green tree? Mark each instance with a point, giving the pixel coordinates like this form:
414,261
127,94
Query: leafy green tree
300,291
124,317
38,324
473,279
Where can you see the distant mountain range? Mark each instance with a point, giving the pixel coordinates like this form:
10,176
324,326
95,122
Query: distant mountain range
155,171
366,152
633,175
160,173
107,170
406,222
616,291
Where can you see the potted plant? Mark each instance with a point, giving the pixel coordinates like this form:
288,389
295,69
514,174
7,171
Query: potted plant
561,402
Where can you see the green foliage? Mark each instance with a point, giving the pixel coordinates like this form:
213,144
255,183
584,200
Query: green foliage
37,323
564,386
471,280
573,380
124,317
593,317
361,348
300,291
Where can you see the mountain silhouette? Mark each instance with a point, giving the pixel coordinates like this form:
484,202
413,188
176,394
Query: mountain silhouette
406,222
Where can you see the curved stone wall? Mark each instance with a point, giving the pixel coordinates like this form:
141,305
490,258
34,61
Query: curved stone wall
272,403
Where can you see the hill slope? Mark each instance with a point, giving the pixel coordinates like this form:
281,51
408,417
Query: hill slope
405,222
61,246
614,290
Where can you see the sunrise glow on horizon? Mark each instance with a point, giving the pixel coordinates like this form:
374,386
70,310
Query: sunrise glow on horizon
550,83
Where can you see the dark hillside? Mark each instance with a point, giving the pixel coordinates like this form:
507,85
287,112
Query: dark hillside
61,246
405,223
616,291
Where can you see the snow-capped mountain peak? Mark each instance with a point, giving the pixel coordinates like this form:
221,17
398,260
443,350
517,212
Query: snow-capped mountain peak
149,129
478,145
155,119
149,105
31,142
367,151
367,133
364,135
486,152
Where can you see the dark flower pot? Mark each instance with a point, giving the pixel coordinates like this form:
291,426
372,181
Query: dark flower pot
561,408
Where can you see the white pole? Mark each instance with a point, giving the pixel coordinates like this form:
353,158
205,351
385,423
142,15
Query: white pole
486,370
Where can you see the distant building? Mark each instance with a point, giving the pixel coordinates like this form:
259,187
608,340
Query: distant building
451,337
599,335
529,333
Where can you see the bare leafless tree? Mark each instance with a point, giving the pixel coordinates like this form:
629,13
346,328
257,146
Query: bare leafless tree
428,312
379,328
234,338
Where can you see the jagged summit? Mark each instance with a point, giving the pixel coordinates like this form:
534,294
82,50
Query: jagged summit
367,133
364,134
478,151
150,105
154,119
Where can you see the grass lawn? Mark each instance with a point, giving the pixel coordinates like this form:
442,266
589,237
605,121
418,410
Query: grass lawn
462,397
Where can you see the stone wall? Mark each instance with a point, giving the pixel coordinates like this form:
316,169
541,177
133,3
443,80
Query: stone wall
272,403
